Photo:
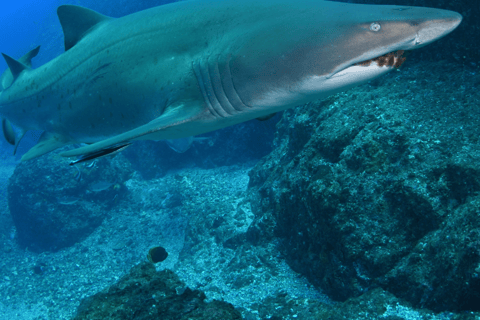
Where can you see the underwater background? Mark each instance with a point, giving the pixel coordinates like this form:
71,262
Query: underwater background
364,205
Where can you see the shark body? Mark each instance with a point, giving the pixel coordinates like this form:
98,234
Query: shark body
192,67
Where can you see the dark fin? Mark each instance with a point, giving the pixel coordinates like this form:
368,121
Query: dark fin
268,116
8,131
101,153
77,22
174,120
6,79
47,142
16,67
10,135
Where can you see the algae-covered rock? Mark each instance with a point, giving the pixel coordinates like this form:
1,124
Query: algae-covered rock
54,205
145,294
380,186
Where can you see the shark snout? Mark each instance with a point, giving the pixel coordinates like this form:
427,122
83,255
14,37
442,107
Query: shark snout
434,29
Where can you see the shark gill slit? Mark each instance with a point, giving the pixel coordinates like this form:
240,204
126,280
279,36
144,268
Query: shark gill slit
217,87
213,103
229,88
198,75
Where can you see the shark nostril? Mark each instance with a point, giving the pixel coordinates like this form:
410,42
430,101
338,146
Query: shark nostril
417,40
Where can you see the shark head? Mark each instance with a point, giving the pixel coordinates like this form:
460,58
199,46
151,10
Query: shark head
316,48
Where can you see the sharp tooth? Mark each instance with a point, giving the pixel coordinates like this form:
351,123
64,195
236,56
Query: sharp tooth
392,59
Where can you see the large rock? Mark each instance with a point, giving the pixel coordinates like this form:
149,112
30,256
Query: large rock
52,207
380,187
147,294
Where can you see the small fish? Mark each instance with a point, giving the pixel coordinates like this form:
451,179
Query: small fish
157,254
68,200
78,175
100,186
91,165
39,268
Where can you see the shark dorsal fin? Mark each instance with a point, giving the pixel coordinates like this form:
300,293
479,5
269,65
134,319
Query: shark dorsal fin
16,67
27,58
6,79
77,22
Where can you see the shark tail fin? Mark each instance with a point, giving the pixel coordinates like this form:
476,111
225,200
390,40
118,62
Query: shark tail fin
77,22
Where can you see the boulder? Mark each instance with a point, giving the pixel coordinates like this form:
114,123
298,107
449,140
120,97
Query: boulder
54,205
145,294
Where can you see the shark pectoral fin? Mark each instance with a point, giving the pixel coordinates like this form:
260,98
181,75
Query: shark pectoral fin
10,135
17,141
174,119
47,142
8,131
77,22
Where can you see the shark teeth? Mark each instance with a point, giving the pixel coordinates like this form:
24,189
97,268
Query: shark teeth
391,59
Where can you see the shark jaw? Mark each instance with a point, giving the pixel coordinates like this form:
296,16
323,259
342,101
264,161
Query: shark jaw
350,76
365,71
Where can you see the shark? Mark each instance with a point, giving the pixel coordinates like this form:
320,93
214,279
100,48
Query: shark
187,68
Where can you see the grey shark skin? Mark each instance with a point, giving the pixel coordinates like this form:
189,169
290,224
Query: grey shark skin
191,67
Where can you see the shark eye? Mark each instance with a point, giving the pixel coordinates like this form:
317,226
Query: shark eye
375,26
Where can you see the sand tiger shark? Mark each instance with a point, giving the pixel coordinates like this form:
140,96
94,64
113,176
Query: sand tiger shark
191,67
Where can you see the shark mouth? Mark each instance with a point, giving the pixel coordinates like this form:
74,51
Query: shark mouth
391,59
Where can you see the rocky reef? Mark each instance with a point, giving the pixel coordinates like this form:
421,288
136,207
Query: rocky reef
54,205
145,293
379,188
